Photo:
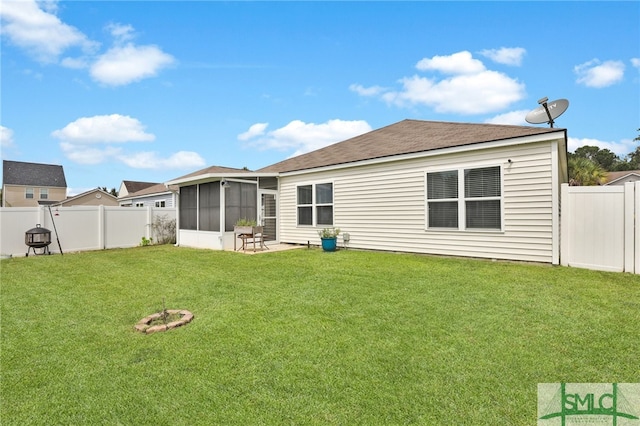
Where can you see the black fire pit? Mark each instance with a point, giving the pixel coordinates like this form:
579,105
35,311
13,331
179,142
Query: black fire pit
38,238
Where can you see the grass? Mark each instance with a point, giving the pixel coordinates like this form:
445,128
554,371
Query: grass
303,337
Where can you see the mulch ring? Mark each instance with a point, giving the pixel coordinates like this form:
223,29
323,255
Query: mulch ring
144,325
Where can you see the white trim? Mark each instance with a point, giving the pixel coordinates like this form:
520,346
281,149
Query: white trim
555,205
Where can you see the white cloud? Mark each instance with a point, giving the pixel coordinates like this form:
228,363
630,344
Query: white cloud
366,91
304,137
621,148
98,139
458,63
104,129
599,75
40,32
635,62
515,118
505,55
151,160
6,137
122,65
120,32
469,88
254,131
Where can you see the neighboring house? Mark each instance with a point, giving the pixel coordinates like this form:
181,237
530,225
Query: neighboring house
620,178
478,190
129,187
93,197
156,195
32,184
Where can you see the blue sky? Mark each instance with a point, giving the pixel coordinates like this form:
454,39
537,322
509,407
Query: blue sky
153,90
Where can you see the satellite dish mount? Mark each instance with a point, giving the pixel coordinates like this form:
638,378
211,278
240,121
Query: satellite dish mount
547,112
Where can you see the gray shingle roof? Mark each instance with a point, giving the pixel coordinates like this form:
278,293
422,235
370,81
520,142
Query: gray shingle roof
404,137
133,186
33,174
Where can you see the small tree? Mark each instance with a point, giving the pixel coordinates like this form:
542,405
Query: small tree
584,172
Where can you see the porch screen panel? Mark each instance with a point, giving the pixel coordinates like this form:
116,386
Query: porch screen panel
189,207
209,206
241,202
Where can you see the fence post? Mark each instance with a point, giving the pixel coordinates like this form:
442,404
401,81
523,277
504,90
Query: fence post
101,228
636,215
565,217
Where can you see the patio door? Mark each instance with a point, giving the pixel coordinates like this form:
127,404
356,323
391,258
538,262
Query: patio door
267,211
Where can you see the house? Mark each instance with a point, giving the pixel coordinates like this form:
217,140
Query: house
459,189
620,178
129,187
31,184
93,197
155,195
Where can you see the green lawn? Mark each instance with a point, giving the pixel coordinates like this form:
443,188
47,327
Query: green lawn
304,337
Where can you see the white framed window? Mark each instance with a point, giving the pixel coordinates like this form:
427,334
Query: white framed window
315,204
44,193
161,203
28,193
465,199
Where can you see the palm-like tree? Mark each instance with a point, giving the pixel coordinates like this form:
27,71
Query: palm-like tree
584,172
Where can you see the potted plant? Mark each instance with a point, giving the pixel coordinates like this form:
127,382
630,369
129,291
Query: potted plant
244,226
329,237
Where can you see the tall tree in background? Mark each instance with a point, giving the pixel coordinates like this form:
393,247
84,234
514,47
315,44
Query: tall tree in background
112,192
585,172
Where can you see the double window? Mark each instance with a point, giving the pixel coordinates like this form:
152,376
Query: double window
315,204
465,199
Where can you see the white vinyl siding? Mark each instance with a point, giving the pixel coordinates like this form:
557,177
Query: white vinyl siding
382,206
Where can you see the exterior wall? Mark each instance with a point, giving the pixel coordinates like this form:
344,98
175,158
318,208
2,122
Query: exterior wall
14,195
150,200
91,200
383,206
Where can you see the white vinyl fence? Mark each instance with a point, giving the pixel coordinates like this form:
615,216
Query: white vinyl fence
79,228
600,227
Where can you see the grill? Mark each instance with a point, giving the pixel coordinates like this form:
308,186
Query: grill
38,238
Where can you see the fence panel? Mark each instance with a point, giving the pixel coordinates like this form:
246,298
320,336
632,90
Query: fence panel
78,228
598,227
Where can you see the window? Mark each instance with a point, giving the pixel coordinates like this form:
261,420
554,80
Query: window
160,203
315,204
478,207
28,193
44,193
139,204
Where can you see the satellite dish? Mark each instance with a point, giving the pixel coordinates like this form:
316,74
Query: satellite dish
547,111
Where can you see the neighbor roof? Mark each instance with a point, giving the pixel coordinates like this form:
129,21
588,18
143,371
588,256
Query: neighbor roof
404,137
159,188
33,174
133,186
616,176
